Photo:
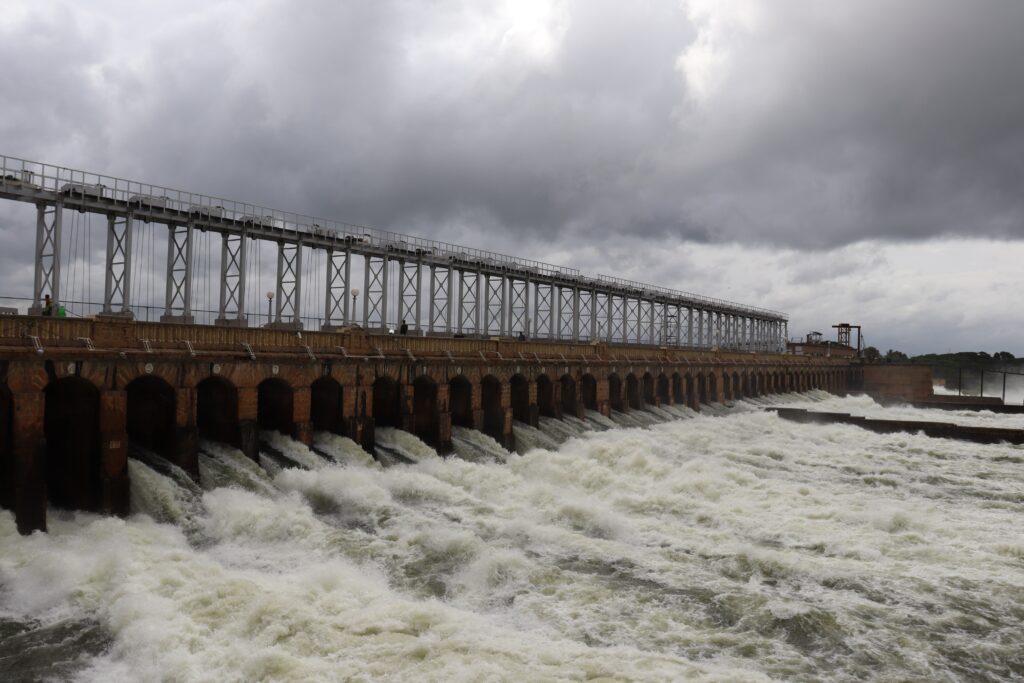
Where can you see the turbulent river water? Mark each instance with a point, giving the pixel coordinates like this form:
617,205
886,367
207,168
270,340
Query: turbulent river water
733,546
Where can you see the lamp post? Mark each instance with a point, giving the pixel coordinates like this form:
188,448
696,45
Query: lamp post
355,293
270,298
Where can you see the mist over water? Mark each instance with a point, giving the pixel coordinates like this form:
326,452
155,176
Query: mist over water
738,547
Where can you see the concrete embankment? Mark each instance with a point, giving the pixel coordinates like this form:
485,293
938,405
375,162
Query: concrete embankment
944,430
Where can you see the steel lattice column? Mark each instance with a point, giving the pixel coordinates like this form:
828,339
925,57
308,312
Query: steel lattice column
409,293
440,317
700,328
689,326
47,270
469,302
518,306
178,299
616,318
584,300
289,285
566,310
232,280
339,272
118,281
375,292
630,328
602,318
494,304
543,311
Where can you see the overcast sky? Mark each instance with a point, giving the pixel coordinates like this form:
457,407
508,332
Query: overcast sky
850,160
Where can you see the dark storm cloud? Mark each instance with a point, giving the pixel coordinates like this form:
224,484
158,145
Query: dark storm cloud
797,124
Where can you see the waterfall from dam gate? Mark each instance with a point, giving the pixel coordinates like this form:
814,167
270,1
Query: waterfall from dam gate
673,546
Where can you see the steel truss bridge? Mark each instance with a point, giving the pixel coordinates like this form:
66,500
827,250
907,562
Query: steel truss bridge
436,287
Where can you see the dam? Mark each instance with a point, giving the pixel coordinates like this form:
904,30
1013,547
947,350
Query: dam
76,393
446,337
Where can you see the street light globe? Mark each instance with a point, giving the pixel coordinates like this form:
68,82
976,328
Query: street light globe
355,291
270,295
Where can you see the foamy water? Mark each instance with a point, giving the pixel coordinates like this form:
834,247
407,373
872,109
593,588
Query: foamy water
741,547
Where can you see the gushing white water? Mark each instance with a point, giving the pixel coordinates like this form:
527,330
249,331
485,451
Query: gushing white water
343,450
598,421
408,448
557,430
741,548
295,451
527,438
221,466
475,446
161,497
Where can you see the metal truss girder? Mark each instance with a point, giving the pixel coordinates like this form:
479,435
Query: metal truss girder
543,310
289,282
47,267
118,279
339,272
440,319
518,306
375,292
409,293
469,301
178,297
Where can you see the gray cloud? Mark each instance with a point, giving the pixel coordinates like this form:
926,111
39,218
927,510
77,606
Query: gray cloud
826,123
597,133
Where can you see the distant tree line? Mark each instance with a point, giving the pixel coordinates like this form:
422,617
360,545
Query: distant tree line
971,359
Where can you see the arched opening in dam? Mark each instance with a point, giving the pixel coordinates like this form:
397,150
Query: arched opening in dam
648,388
726,386
217,411
151,413
274,401
664,395
588,391
690,388
737,387
615,392
325,408
545,396
520,389
568,395
426,418
6,448
71,423
460,401
494,414
677,389
387,402
712,387
632,392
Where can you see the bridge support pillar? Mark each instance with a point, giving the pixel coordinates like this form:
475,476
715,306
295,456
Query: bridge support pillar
114,452
444,420
289,287
29,456
248,428
231,310
178,297
48,241
301,406
187,445
118,281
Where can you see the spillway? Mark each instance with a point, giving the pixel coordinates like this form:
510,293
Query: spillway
740,547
